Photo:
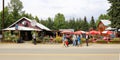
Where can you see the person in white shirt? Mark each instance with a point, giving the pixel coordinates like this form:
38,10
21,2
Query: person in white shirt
34,38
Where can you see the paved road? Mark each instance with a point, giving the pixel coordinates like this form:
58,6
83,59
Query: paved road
59,53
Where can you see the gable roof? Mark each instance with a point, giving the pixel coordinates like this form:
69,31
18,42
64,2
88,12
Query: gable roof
42,26
19,20
37,24
106,22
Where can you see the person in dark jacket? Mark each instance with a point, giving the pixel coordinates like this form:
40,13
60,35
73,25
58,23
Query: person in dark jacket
87,39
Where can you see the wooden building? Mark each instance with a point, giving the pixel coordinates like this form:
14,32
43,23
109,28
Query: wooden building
26,26
103,24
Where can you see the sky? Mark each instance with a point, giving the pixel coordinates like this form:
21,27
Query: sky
70,8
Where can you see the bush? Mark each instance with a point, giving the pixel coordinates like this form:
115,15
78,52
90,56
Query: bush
7,35
116,39
46,39
58,39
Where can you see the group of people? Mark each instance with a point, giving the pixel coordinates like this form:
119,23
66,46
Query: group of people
76,40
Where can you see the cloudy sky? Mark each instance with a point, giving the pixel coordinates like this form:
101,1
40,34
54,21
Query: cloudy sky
70,8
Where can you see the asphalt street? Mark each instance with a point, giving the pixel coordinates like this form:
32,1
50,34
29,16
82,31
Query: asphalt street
59,53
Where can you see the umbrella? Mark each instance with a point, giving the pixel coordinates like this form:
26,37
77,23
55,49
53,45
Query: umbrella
94,32
107,32
87,33
67,32
79,32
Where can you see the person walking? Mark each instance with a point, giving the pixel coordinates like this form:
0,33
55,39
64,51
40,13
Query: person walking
34,38
66,43
51,39
87,39
74,40
63,39
79,40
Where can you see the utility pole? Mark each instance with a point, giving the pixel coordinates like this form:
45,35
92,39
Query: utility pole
3,20
3,16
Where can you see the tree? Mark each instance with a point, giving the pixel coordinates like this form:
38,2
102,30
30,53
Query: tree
27,15
59,21
15,8
43,22
114,13
8,18
92,23
85,25
36,18
71,23
102,17
50,23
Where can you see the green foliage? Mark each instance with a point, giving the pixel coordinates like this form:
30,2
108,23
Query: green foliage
46,39
7,35
27,15
15,8
71,23
116,39
59,21
85,25
13,12
102,17
92,23
36,18
114,13
50,23
58,39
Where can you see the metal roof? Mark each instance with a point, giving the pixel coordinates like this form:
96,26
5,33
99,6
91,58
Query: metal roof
106,22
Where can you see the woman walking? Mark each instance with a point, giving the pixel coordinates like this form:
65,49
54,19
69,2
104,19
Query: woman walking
79,40
74,40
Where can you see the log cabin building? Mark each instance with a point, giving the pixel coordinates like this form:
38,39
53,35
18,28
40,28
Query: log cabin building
102,25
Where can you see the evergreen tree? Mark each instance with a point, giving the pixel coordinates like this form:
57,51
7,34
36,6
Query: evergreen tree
71,24
114,13
50,23
92,23
36,18
85,25
27,15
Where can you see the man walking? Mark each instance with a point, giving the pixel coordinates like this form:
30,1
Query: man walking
34,38
87,39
